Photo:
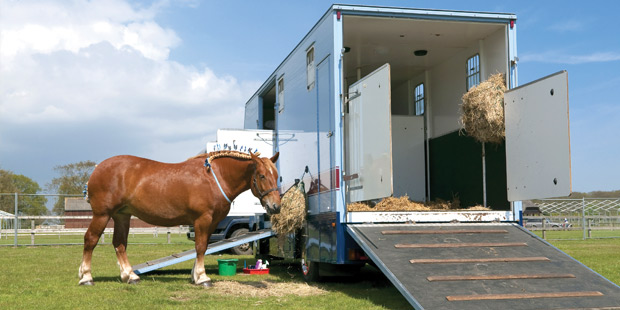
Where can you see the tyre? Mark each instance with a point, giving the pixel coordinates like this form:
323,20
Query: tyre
243,249
310,271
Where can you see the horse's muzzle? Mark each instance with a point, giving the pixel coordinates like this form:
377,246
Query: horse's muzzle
273,208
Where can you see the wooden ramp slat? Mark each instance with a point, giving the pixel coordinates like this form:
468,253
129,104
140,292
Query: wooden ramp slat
479,260
444,232
501,277
524,296
459,245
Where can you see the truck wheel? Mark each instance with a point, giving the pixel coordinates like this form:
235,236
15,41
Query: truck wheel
244,249
310,271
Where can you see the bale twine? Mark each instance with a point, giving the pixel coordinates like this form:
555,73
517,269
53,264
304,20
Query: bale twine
483,110
292,211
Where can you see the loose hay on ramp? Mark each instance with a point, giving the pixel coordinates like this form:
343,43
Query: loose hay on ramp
483,110
265,289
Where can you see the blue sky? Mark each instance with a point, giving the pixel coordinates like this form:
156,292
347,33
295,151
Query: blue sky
86,80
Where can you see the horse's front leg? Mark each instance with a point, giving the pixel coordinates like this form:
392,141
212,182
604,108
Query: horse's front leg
121,232
201,229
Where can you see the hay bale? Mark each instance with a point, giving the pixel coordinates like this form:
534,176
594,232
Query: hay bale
483,110
293,211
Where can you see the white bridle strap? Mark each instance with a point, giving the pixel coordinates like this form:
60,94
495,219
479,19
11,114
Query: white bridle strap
208,165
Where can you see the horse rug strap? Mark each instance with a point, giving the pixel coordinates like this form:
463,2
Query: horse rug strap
210,168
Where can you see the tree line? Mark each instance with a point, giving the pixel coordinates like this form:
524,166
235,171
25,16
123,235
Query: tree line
70,181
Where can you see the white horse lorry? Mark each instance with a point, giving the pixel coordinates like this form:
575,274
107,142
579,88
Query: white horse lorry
367,107
369,103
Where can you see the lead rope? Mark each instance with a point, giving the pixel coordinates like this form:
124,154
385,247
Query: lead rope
210,168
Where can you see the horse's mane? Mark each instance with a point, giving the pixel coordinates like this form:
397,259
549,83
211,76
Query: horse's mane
224,153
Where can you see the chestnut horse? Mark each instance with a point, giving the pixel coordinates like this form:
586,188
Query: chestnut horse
197,191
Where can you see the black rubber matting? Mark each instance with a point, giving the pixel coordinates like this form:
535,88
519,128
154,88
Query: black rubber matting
535,287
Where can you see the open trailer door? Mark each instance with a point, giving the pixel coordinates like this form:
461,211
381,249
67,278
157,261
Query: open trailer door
368,137
538,139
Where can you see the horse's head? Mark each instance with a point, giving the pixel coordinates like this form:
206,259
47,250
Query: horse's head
265,183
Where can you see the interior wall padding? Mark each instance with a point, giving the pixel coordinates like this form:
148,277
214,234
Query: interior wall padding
456,170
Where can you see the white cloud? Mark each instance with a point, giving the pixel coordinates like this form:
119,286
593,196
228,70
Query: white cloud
48,26
568,26
559,57
86,79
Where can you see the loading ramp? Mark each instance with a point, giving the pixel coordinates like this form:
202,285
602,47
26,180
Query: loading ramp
481,266
212,248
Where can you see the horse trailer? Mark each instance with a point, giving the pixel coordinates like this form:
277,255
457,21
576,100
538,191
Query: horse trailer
368,103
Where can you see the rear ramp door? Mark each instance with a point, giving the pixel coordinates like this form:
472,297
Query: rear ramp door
481,266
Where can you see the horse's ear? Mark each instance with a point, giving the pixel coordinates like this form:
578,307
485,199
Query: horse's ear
275,157
253,156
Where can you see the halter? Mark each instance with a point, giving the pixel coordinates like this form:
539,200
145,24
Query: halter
259,192
208,165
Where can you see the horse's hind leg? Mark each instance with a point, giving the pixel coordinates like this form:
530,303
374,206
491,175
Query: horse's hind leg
91,237
121,231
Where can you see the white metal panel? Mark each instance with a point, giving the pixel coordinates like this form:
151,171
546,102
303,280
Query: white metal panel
369,153
538,139
408,156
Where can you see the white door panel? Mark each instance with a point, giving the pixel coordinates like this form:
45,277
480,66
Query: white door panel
538,139
368,137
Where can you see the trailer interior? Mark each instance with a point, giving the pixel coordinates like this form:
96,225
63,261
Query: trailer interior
432,63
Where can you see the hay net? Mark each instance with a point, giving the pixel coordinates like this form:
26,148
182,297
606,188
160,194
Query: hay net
293,210
483,110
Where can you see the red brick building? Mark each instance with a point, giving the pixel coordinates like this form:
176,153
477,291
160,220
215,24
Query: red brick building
76,206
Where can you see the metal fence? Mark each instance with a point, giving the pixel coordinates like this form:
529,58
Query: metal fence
583,218
19,229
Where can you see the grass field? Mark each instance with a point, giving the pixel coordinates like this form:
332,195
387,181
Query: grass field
46,277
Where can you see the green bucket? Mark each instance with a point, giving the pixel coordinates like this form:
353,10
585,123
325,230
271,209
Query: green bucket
227,267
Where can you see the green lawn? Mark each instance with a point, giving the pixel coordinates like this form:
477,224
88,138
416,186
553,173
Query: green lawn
46,277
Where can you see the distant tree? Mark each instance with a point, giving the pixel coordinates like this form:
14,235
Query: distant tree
71,181
17,183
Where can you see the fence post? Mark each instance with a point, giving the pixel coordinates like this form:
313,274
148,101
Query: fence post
589,228
583,216
32,232
16,220
544,230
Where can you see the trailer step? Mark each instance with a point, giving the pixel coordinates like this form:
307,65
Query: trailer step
469,266
522,296
479,260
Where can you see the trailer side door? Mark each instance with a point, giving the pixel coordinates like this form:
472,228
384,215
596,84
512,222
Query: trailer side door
368,137
538,139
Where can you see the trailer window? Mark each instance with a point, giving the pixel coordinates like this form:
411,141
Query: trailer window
473,71
281,94
310,67
419,99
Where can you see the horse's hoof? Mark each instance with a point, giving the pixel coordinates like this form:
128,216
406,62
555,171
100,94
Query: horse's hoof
87,283
133,281
206,284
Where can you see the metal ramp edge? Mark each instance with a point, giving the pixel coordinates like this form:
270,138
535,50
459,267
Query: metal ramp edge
212,248
481,266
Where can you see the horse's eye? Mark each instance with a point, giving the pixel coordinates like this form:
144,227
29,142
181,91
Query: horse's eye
262,176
